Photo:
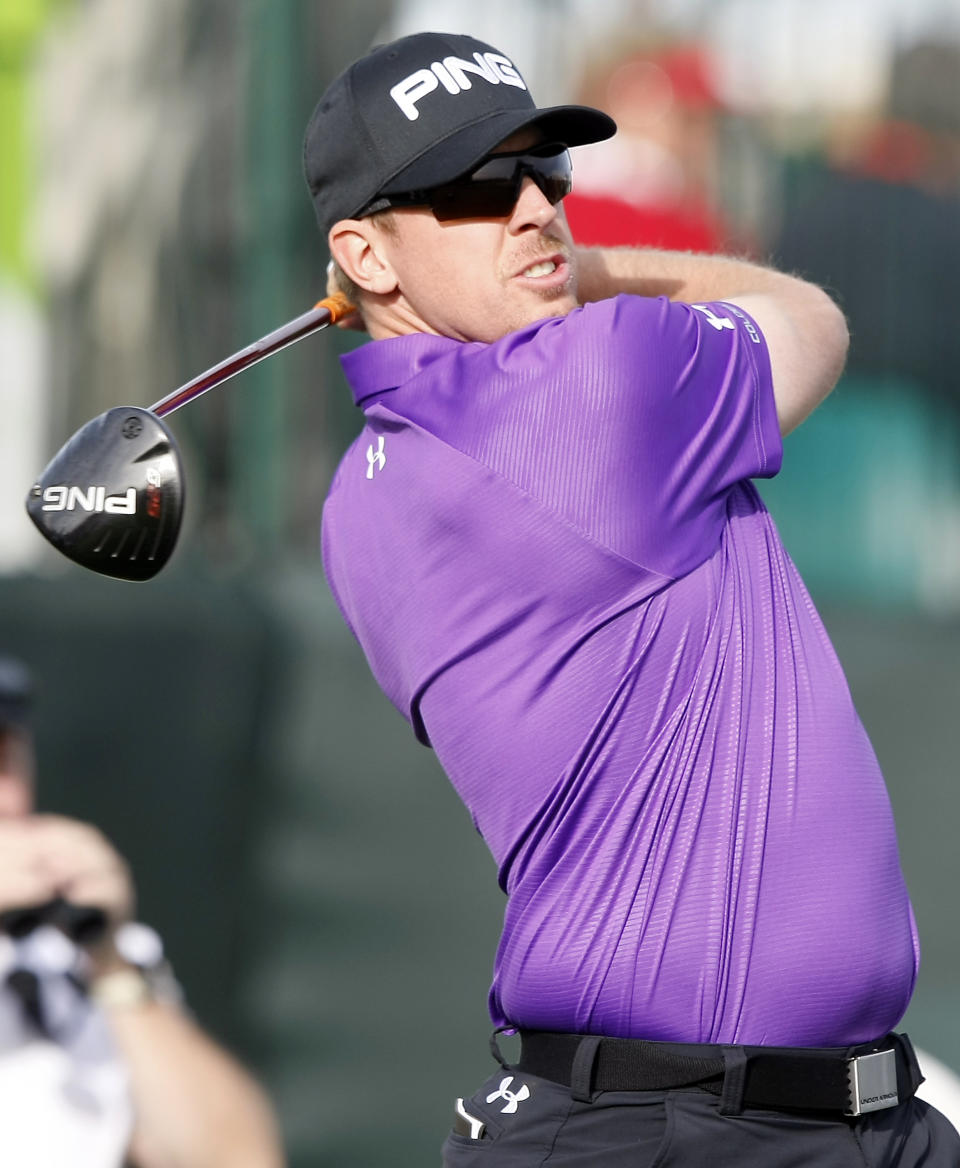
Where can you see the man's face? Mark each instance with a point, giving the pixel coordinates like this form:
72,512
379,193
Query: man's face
16,773
479,279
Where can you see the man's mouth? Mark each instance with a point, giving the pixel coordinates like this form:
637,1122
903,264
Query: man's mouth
539,269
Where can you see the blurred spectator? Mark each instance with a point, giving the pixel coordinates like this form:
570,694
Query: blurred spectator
654,183
98,1059
878,222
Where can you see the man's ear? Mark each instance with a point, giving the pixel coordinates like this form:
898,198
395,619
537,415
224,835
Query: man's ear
357,246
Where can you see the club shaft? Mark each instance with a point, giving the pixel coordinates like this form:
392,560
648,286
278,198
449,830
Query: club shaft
323,313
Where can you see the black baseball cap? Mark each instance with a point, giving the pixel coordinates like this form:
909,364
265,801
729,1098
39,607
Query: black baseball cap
419,112
16,693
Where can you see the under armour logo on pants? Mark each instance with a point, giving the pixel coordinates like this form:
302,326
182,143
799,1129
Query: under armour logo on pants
512,1099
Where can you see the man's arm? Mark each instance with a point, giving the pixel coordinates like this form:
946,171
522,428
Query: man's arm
193,1103
805,331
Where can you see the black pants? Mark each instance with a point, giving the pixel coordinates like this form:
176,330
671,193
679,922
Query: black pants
529,1122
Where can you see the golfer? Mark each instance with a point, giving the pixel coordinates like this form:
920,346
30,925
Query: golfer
547,542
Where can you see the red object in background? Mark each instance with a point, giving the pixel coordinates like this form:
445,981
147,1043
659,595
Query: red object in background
650,187
691,75
897,152
606,221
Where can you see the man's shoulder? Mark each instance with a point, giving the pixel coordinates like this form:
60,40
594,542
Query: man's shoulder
625,318
615,321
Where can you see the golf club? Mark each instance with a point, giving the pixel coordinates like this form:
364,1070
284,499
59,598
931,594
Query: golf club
111,499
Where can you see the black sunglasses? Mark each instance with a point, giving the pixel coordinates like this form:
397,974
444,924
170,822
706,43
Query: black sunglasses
491,189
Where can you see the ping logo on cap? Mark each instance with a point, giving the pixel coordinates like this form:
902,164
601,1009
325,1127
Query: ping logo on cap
452,74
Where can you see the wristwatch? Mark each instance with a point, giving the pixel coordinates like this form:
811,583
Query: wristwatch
147,976
120,989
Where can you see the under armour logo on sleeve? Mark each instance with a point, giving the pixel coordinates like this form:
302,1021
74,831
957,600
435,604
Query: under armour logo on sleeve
376,459
718,322
512,1099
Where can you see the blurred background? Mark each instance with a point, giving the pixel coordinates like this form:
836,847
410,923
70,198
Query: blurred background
320,890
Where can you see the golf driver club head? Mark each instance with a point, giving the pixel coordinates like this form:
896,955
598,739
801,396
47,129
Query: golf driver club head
112,498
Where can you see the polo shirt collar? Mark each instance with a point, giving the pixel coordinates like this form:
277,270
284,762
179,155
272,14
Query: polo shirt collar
381,366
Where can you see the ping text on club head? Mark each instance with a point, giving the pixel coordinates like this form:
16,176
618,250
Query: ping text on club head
92,499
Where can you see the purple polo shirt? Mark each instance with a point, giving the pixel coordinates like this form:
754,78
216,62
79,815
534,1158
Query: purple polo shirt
552,555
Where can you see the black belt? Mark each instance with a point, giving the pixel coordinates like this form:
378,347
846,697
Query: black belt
847,1080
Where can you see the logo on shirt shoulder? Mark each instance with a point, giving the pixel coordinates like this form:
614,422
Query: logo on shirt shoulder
717,322
724,322
376,459
746,322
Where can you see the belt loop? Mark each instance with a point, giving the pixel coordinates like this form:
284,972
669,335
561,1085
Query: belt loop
495,1046
912,1066
581,1074
734,1080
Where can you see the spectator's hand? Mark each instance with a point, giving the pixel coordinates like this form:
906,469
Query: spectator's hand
43,857
25,880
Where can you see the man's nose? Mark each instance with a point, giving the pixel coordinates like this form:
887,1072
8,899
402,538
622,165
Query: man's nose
532,208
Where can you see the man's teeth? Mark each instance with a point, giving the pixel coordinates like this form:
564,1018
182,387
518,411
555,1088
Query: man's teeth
544,268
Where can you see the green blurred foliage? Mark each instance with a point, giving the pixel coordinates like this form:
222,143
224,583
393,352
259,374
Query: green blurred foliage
21,25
